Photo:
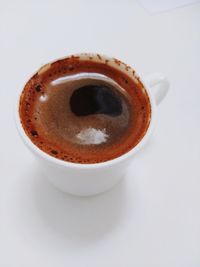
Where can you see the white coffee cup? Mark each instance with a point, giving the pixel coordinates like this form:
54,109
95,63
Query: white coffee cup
91,179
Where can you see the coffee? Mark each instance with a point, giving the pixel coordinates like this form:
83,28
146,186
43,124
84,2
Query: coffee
84,110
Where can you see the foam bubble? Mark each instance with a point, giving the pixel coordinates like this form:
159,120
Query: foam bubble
92,136
43,98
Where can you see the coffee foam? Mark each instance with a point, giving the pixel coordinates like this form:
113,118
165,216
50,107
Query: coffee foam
92,136
49,122
60,123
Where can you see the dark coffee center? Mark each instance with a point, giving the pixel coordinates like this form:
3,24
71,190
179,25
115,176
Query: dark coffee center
95,99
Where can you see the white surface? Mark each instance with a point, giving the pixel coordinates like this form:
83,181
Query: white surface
154,6
153,217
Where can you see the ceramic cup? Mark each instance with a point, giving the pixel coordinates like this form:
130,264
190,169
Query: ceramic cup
91,179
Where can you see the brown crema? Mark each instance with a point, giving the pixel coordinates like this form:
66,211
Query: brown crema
84,110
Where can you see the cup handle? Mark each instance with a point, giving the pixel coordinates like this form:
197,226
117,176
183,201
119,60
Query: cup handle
159,85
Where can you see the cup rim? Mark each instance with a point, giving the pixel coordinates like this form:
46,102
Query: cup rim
73,165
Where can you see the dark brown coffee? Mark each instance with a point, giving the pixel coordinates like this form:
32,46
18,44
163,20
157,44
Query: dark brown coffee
84,111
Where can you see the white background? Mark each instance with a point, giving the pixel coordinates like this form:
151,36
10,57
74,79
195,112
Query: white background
150,219
155,6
